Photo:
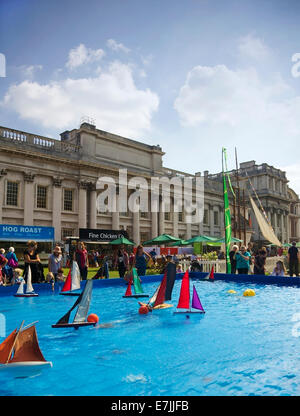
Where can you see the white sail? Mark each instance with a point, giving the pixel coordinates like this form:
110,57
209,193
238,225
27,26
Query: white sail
75,276
20,290
84,304
266,230
29,288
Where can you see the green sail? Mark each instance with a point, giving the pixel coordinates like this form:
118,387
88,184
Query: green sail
227,220
136,282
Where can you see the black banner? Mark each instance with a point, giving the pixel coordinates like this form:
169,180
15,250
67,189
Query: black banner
88,234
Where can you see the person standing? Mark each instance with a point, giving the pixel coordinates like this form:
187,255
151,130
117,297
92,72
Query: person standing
121,261
293,259
140,261
259,262
81,257
232,257
3,263
55,262
242,260
32,259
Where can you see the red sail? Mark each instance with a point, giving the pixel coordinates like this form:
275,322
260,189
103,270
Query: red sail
128,291
160,298
211,274
67,285
184,299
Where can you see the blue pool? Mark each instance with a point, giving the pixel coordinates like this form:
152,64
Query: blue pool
241,346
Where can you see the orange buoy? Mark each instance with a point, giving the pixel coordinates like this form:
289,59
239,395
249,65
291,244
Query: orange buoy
143,310
93,318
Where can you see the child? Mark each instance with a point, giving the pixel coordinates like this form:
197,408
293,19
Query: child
179,268
17,276
60,275
279,270
50,279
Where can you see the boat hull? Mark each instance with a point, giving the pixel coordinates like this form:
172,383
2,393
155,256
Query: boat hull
26,295
25,368
136,296
188,314
74,325
70,294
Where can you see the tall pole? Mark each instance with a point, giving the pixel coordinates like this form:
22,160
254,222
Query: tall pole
238,196
244,206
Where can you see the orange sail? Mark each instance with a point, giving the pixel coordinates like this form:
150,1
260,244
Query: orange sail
184,299
67,285
27,347
6,347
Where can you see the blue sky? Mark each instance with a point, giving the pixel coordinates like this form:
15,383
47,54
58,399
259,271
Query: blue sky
190,75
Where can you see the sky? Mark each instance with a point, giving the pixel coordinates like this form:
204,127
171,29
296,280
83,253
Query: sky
189,75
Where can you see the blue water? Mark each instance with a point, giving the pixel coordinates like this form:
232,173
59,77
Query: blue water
241,346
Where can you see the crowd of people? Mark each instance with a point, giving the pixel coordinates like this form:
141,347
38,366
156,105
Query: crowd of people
244,260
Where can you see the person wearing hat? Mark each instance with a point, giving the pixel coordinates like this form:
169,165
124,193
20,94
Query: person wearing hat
55,261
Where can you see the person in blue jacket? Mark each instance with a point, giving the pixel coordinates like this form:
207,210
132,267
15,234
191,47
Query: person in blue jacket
242,260
140,261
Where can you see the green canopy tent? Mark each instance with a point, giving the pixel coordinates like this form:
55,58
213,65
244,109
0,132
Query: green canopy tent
298,244
122,240
201,239
180,243
161,239
222,240
287,245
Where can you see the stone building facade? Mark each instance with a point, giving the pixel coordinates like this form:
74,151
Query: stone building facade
50,182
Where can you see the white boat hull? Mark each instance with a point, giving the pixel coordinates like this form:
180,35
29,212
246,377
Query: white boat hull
26,368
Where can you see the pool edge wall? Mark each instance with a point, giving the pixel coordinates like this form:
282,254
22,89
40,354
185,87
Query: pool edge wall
236,278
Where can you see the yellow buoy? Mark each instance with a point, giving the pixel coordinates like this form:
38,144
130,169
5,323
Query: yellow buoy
249,292
231,291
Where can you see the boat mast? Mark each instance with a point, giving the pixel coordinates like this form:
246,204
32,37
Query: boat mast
12,348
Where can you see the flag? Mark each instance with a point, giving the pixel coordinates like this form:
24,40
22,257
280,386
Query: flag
227,216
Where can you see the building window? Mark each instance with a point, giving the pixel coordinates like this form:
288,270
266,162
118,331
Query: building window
205,216
216,218
12,192
67,232
180,216
144,214
124,214
167,216
68,199
41,197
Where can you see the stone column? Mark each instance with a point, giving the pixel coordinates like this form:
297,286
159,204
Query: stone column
282,226
154,225
211,222
93,206
82,201
29,199
188,233
136,227
161,219
175,224
3,172
116,216
56,208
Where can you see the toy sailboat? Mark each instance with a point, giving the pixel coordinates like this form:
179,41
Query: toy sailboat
139,293
164,290
83,304
184,298
29,289
210,276
20,352
72,282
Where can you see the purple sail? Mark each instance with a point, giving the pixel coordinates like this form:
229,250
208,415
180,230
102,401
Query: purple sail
196,304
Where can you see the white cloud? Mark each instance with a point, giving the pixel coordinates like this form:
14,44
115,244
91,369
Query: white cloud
253,47
83,55
240,99
147,59
112,44
28,71
111,97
